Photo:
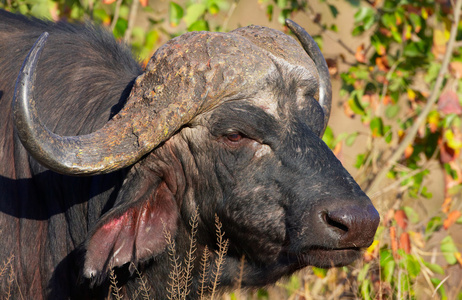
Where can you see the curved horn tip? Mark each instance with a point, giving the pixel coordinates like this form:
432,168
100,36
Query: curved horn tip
312,49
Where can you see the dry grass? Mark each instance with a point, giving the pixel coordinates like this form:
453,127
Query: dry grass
180,277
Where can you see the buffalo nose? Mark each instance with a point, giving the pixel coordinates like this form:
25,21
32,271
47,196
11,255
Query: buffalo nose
354,226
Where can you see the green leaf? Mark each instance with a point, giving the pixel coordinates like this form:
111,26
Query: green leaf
416,21
199,25
333,10
262,294
281,3
151,39
365,290
269,12
459,220
397,36
388,134
448,248
319,272
41,9
351,138
213,9
403,281
328,137
415,49
432,72
356,106
193,13
120,28
175,13
388,264
363,272
360,160
411,265
434,267
436,283
318,40
411,214
389,21
363,13
376,126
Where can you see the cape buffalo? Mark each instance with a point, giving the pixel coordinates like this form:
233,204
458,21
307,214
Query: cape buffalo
102,161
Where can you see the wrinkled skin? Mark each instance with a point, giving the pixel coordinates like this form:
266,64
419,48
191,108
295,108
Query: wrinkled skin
257,162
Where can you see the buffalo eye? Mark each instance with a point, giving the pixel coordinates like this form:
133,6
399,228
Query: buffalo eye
234,139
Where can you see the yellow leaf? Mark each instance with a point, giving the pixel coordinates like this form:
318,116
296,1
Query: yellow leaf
424,13
458,256
439,38
453,141
407,33
411,94
372,247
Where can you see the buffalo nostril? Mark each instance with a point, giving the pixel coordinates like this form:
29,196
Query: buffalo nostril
335,223
354,225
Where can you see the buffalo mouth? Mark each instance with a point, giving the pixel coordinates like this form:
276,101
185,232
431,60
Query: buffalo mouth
326,257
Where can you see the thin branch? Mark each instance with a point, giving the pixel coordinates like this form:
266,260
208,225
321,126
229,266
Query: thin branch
131,20
428,107
229,14
329,35
116,15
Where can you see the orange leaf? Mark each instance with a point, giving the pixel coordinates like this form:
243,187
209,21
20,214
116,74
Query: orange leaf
405,242
408,151
394,241
108,1
385,32
382,63
144,3
451,219
401,219
456,69
338,150
360,54
446,204
387,100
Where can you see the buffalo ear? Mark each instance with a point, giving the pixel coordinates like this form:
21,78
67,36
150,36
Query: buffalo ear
132,232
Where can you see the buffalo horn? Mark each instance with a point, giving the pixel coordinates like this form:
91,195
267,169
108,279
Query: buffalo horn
120,143
312,49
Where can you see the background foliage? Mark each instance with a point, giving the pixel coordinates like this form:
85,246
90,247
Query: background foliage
402,84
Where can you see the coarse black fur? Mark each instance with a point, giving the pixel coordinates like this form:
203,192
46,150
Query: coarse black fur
275,186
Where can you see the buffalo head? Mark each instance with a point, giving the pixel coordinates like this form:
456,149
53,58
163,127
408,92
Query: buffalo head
226,124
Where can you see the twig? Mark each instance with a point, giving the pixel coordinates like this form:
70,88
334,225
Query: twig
447,277
423,115
229,14
131,20
116,15
329,35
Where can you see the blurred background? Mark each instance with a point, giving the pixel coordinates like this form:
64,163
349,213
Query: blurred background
396,124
